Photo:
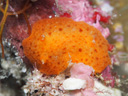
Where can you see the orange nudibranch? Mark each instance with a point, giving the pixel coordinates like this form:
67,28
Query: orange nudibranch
57,41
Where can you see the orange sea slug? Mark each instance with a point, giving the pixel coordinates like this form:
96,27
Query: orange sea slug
57,41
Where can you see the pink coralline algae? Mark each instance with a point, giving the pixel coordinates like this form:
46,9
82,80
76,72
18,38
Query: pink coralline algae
107,75
82,10
105,31
82,71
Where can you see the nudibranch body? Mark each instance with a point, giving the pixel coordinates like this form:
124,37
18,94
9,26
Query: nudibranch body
56,42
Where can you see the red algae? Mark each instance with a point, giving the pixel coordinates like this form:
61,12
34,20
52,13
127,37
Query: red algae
16,28
57,41
102,18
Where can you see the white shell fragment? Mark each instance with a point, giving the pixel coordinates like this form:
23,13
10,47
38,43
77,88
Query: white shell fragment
73,84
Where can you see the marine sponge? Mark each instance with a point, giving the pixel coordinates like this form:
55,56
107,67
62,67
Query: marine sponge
57,41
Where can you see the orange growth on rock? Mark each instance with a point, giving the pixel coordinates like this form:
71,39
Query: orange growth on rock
57,41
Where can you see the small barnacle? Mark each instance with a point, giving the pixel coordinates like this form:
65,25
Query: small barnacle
50,16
